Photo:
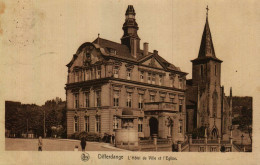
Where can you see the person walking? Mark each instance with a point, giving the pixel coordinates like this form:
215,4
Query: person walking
83,144
40,143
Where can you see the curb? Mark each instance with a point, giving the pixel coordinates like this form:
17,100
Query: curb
115,148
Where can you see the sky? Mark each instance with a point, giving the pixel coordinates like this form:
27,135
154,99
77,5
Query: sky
38,39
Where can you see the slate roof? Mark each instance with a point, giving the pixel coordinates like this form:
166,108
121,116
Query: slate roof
206,47
124,52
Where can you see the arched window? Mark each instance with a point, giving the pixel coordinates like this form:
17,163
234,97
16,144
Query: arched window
201,71
214,133
215,105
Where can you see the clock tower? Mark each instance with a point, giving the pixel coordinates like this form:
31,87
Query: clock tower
130,27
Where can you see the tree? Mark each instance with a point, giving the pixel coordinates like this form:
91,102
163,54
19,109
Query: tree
244,121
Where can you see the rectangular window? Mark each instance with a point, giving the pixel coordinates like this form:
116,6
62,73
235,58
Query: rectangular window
171,81
153,79
98,98
140,124
215,70
76,100
161,99
86,99
115,122
129,100
116,98
180,84
160,79
140,101
180,105
152,98
87,75
180,126
149,78
99,72
142,76
116,71
98,124
76,124
76,74
172,100
128,74
87,123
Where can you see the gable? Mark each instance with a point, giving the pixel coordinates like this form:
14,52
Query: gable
87,56
152,62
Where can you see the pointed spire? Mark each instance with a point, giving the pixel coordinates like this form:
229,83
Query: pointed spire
206,46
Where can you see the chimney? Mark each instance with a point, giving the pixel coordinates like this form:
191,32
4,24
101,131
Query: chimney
155,52
145,49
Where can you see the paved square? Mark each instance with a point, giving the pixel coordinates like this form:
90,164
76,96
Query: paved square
14,144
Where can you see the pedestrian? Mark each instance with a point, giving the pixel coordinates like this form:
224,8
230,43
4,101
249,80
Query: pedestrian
83,144
40,143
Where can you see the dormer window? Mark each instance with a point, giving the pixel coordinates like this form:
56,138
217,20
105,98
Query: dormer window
128,74
112,51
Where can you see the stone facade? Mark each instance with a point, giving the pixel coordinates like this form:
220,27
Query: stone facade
207,105
105,78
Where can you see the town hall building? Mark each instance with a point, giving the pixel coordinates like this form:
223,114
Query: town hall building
108,82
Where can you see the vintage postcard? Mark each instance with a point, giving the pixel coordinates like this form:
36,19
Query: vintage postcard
114,81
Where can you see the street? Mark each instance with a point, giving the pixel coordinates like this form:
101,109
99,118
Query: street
15,144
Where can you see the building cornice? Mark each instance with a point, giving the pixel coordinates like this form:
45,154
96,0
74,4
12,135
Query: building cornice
96,82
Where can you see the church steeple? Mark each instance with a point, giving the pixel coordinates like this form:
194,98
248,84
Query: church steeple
206,46
130,27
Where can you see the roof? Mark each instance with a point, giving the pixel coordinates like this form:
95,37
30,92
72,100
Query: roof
206,47
122,50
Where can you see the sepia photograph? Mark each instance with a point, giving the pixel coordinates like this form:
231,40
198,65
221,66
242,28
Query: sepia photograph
129,81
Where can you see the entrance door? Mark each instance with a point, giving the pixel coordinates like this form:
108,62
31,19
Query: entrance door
153,123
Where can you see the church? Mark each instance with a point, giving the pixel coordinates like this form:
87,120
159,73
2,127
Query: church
110,82
207,106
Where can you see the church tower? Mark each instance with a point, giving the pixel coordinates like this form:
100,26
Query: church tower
206,74
130,27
